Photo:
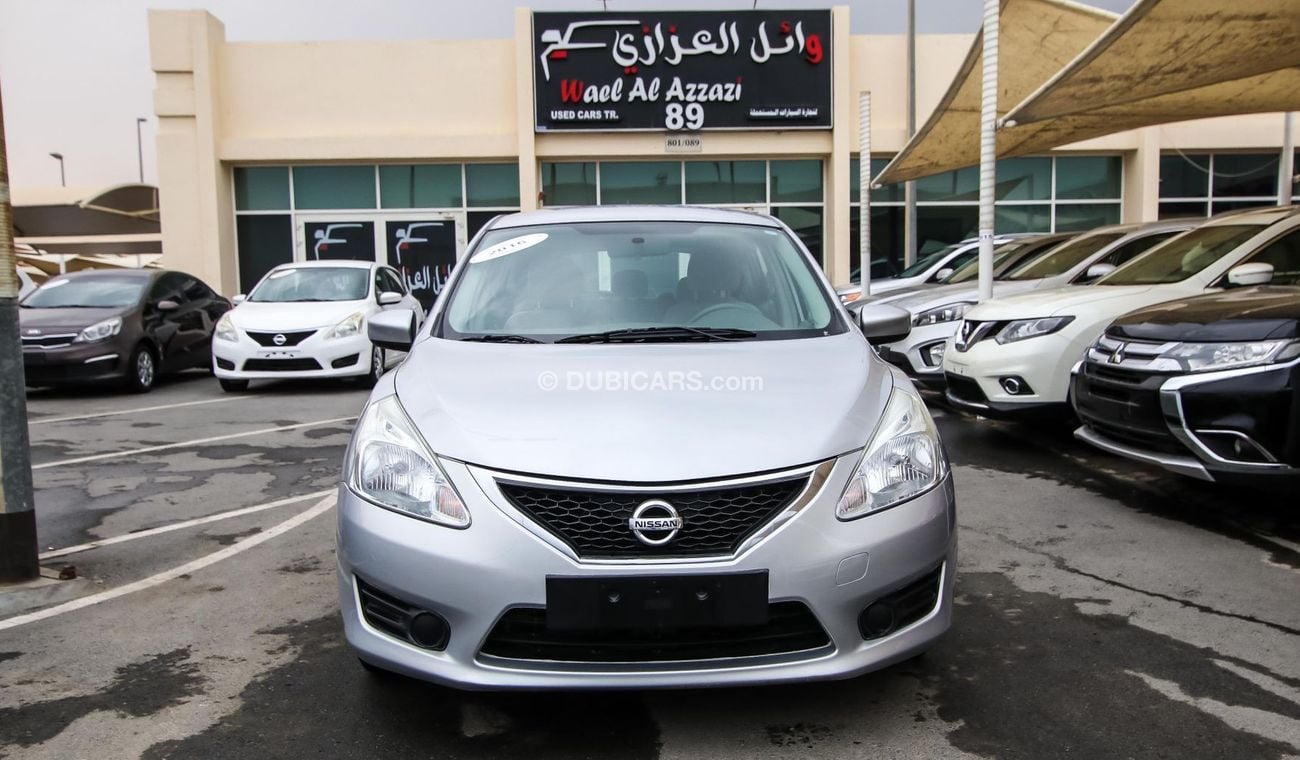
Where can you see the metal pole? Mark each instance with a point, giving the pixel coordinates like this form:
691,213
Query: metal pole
18,552
63,179
909,187
988,147
864,192
1286,166
139,147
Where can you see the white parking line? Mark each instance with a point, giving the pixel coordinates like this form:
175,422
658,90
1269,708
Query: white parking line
138,410
183,444
181,525
320,508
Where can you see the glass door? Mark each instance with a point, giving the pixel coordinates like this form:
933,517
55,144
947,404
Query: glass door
424,249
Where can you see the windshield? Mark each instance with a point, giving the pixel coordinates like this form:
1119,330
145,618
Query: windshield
1064,258
927,261
88,292
313,284
971,269
1183,256
549,282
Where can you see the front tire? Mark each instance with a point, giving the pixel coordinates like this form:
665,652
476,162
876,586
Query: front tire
233,386
142,370
371,378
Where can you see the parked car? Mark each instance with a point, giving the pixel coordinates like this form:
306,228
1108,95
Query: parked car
937,310
1203,386
308,320
928,269
126,325
1014,355
550,492
25,284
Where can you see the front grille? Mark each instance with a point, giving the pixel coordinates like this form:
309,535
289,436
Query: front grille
965,389
48,341
281,365
290,338
521,634
595,523
1124,405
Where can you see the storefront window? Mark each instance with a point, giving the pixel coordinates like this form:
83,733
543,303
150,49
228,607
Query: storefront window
420,186
261,188
1198,184
726,182
1088,177
1078,217
886,241
1024,179
887,194
640,182
806,221
264,241
1242,175
569,184
796,181
1023,217
492,184
961,185
333,187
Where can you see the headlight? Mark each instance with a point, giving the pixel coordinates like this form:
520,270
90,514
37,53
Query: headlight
226,329
947,313
100,330
903,460
1023,329
1206,357
348,327
389,464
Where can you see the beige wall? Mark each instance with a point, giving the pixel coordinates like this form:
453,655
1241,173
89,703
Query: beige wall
222,103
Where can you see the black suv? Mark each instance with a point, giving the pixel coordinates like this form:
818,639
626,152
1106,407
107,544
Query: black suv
1206,386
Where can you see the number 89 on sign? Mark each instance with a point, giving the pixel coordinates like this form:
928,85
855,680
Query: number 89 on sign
679,116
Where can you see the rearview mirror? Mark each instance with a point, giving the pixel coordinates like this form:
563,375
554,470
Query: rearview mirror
882,323
943,274
1255,273
167,305
237,300
394,330
389,298
1097,271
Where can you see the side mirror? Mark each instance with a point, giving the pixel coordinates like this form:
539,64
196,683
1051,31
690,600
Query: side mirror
943,274
1255,273
169,305
389,298
394,330
1098,271
882,323
237,300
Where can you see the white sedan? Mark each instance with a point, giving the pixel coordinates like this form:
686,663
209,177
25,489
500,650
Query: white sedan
308,320
1014,356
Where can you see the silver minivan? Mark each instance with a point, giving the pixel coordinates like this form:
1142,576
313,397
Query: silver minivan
642,447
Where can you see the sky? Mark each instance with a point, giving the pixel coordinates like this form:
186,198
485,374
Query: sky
74,74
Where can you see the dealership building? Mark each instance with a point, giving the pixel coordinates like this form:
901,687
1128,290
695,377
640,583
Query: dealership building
401,150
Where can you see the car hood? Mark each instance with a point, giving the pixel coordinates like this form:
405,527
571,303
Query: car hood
1069,300
1263,313
306,315
65,319
624,412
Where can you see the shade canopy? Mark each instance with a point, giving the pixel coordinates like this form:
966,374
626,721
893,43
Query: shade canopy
1163,61
1035,39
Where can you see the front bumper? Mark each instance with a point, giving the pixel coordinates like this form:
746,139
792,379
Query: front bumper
913,354
472,577
1041,365
314,357
77,363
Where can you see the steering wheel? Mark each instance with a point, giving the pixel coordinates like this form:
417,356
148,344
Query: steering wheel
745,310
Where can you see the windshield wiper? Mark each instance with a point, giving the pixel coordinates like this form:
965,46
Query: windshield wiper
661,335
500,339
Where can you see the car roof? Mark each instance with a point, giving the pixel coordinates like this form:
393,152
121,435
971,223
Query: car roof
142,274
577,214
1261,216
331,263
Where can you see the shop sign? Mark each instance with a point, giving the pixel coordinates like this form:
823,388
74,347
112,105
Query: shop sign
682,71
683,143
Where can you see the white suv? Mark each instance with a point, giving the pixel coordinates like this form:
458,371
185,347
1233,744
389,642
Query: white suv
1014,355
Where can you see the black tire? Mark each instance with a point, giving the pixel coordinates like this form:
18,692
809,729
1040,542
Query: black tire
142,370
371,378
233,386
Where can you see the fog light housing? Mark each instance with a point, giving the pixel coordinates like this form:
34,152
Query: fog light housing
932,354
429,631
877,620
1015,385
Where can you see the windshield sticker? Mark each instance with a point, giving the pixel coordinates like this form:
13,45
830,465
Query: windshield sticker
513,245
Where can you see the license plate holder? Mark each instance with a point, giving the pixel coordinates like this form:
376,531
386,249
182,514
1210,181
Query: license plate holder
656,602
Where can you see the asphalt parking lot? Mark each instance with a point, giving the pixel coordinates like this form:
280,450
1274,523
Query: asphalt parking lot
1104,610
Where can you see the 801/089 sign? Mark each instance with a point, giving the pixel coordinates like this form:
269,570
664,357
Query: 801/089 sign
687,70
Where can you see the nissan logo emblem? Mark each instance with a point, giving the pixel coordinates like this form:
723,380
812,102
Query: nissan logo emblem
279,339
655,522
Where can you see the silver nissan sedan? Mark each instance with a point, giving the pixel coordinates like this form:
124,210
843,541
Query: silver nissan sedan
642,447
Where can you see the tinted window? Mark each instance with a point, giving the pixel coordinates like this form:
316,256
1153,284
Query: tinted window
1127,252
87,291
925,262
387,282
169,287
1064,258
1183,256
195,290
1284,255
313,284
961,260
